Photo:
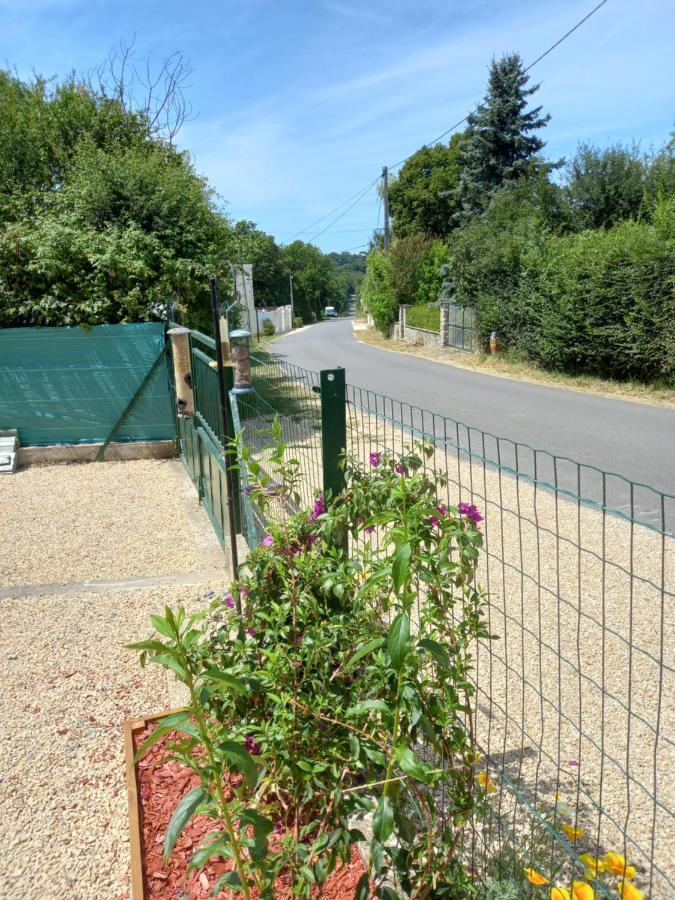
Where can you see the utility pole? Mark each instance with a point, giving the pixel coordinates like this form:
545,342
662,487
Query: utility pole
290,284
385,198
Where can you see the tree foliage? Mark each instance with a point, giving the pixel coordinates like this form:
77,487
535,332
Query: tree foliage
423,199
500,142
314,283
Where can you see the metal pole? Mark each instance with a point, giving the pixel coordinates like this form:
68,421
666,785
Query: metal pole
290,284
215,312
385,198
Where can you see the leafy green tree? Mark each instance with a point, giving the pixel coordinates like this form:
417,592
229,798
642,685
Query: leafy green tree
270,279
423,199
500,142
314,282
350,270
606,186
377,295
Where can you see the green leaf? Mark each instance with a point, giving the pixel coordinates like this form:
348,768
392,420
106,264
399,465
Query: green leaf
163,627
398,640
307,874
362,891
383,820
175,722
365,705
401,565
438,651
242,759
148,645
170,663
235,684
181,816
380,575
229,879
411,765
217,846
364,650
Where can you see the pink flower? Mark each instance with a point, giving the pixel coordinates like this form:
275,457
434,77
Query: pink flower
369,530
251,745
243,590
471,512
572,762
250,632
229,602
375,459
435,520
267,541
400,469
319,508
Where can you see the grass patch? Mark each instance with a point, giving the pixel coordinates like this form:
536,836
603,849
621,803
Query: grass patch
505,366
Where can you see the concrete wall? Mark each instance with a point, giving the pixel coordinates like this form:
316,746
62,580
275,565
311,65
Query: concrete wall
411,335
280,316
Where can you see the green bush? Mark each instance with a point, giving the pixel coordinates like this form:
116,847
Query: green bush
269,328
603,302
428,317
297,322
317,679
377,295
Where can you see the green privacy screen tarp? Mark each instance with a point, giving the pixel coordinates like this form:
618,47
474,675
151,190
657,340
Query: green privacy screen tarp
70,386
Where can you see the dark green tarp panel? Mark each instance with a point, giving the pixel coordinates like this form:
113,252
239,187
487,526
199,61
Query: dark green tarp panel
70,385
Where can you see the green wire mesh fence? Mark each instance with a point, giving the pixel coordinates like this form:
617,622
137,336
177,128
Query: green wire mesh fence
576,733
575,719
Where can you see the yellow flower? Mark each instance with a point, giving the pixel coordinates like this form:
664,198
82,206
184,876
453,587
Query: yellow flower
628,891
486,782
535,877
560,893
594,866
582,891
573,833
616,864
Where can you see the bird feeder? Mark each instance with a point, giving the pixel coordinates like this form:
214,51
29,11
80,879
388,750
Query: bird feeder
182,370
240,347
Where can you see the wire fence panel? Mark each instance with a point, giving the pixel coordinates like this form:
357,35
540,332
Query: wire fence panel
289,395
573,722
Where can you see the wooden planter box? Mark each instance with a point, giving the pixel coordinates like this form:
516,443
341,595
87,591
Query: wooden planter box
130,727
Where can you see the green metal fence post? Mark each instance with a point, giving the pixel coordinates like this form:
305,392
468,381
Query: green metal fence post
333,428
228,375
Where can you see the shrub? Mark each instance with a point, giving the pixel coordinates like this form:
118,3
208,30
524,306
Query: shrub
320,690
377,295
269,328
297,322
602,302
428,317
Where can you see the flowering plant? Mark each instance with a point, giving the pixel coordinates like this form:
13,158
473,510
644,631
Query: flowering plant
343,688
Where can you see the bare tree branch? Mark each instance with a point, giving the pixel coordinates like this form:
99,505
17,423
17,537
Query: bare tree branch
158,93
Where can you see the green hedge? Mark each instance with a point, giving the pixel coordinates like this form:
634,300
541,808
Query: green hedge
428,317
603,302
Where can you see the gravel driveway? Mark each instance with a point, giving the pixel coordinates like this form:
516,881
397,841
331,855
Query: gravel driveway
68,684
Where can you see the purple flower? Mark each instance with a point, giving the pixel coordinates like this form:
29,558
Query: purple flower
243,590
278,828
400,469
375,459
318,509
229,602
369,530
251,745
309,540
441,510
470,511
267,541
250,632
436,520
572,762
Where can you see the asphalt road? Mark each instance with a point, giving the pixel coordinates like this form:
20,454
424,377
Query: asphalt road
633,440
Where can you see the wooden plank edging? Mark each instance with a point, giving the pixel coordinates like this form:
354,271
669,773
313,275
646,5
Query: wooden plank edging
136,846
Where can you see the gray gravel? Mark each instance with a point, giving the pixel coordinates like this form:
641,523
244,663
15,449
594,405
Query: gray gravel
92,521
68,684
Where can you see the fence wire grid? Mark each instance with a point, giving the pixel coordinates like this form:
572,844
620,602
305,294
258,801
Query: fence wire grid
575,719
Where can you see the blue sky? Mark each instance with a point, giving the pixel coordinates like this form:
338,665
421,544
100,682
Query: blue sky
299,103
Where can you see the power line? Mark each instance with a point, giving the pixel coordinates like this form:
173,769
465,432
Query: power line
344,213
531,66
363,191
321,218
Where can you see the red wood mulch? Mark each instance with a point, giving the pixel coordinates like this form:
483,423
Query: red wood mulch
161,784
